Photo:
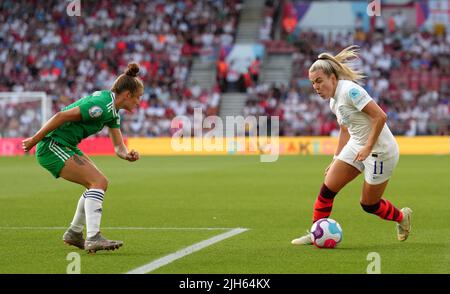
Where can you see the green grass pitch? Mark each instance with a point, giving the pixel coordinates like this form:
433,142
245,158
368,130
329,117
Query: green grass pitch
273,200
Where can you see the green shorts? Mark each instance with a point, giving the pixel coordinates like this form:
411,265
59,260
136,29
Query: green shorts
53,155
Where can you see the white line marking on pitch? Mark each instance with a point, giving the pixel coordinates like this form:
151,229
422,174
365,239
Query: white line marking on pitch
119,228
185,251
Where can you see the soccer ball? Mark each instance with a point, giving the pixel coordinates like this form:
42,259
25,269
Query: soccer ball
326,233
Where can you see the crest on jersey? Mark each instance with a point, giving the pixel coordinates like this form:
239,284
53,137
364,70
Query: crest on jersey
357,96
354,93
95,111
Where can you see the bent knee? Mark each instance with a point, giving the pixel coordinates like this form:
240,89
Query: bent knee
100,182
370,208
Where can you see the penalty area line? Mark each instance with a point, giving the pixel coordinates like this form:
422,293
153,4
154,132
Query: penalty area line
149,267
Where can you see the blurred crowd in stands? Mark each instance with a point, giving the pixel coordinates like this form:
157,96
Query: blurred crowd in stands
69,57
408,74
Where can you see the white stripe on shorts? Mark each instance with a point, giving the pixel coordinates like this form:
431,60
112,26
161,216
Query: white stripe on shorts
58,152
54,151
62,151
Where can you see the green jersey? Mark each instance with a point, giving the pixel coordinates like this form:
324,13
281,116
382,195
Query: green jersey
97,110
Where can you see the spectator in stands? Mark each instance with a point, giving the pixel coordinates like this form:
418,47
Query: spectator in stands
245,81
255,69
233,78
289,18
221,73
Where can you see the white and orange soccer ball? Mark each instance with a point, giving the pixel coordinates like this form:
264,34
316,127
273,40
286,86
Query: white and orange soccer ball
326,233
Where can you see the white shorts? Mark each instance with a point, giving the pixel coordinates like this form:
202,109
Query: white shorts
377,167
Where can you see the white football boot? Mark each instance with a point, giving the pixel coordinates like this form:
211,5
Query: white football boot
303,240
404,227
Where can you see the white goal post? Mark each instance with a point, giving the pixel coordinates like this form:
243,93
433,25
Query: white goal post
27,109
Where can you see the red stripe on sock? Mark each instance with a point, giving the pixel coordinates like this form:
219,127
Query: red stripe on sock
322,208
388,211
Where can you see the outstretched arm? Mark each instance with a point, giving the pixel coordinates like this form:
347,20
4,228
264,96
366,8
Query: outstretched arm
53,123
119,146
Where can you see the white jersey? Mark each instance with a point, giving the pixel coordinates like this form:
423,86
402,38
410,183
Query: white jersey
347,104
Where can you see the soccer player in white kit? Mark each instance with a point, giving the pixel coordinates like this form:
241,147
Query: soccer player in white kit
366,145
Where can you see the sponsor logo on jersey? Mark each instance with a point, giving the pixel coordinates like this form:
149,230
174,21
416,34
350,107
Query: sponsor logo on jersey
95,111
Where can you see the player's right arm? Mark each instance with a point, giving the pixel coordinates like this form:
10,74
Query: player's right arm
53,123
344,136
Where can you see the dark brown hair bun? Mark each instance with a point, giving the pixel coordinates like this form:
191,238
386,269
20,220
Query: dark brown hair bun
133,70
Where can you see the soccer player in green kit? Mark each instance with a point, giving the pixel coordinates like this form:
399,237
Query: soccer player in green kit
57,152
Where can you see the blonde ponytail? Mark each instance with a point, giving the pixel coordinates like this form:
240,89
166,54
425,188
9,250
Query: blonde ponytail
339,65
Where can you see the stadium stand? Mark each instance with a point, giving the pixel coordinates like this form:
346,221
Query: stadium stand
69,57
407,73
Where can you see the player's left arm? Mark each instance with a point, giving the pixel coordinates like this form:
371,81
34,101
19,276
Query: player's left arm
378,118
119,146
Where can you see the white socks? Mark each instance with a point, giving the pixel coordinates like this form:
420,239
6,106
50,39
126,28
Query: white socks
93,210
79,218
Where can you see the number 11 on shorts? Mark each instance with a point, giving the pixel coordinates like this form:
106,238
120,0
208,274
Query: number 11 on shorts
375,168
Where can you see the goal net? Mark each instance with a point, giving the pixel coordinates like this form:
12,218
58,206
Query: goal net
23,113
